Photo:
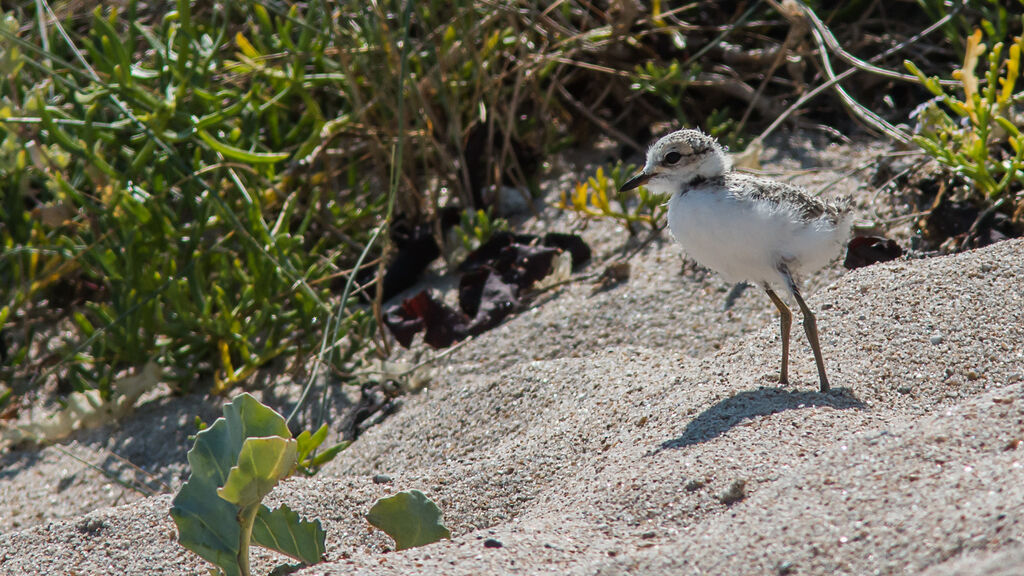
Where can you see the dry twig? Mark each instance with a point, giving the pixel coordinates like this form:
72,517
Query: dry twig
846,74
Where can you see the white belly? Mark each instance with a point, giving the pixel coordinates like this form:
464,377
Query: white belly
746,240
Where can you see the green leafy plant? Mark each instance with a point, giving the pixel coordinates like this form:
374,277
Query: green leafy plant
410,518
667,82
235,463
476,228
307,443
146,196
184,183
982,139
592,199
725,128
995,12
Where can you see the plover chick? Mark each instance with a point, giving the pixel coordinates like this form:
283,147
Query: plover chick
744,227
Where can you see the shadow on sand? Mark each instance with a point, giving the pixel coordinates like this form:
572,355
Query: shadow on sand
722,416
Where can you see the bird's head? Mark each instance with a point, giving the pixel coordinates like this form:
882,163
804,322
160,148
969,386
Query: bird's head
680,158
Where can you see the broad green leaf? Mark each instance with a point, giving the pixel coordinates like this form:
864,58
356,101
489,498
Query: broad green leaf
250,442
410,518
262,463
282,530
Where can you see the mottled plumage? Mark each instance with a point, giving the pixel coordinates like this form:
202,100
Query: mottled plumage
808,207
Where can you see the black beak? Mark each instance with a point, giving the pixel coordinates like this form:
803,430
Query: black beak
635,182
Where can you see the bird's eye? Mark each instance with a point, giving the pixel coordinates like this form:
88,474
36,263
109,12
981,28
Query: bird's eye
672,157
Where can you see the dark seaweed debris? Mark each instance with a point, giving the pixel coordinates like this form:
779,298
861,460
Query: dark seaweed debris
494,281
867,250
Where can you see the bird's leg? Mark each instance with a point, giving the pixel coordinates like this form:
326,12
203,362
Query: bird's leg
786,320
810,328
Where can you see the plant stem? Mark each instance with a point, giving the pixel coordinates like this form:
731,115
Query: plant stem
246,520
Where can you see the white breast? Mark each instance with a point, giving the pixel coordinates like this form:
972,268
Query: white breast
745,240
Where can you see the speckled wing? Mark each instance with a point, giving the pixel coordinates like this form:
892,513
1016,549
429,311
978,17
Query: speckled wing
808,207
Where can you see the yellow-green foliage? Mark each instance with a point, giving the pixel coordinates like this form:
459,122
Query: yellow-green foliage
476,228
593,199
985,117
146,201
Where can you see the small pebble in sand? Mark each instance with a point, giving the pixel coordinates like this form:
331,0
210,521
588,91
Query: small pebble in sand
736,492
492,543
382,479
90,526
936,338
693,485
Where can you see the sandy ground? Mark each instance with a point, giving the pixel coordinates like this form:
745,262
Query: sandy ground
611,433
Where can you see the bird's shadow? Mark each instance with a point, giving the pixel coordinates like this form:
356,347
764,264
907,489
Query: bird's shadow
724,415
